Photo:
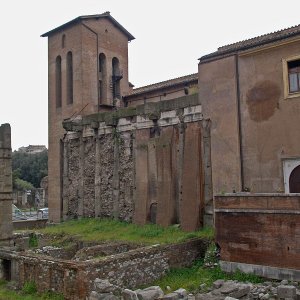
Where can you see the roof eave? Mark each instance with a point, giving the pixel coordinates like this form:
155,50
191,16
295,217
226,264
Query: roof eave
105,15
154,89
218,54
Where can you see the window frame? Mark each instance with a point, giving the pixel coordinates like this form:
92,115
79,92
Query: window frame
286,81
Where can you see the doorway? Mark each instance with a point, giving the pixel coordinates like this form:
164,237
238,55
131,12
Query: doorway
294,180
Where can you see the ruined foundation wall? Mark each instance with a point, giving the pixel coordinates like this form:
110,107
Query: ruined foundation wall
5,185
142,165
128,270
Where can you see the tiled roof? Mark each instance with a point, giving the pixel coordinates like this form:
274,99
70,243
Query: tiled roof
165,84
80,18
254,42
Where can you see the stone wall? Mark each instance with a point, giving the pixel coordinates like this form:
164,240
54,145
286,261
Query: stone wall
138,164
5,185
75,279
259,233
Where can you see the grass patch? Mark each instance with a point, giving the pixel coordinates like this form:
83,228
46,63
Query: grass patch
29,288
191,278
90,229
28,293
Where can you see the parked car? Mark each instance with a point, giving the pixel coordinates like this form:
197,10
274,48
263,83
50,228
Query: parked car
42,213
17,214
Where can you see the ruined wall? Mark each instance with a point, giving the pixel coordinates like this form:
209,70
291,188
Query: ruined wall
5,185
139,164
128,270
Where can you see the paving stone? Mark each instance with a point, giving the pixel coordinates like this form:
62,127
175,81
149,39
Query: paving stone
182,293
286,291
93,296
191,297
129,295
107,296
243,290
104,286
170,296
208,296
265,297
150,293
218,283
228,288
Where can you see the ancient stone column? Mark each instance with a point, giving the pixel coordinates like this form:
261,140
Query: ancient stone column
6,226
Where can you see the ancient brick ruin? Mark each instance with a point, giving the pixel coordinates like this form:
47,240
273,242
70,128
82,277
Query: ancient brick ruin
73,270
5,185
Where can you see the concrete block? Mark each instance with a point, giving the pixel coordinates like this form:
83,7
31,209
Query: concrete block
286,291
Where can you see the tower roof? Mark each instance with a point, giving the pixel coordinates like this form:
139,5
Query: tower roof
81,18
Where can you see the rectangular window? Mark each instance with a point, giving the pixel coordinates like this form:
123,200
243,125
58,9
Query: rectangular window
291,76
294,76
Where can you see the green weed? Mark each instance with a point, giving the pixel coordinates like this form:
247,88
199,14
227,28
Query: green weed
90,229
33,240
28,293
191,278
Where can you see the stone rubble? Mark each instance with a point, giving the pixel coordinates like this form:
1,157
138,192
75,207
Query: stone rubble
220,290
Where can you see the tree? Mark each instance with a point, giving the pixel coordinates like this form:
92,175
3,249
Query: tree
30,168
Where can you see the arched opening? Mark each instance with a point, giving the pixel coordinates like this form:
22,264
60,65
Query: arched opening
63,41
102,78
294,180
69,78
116,77
58,81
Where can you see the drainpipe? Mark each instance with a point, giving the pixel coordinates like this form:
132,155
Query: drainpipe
239,118
91,30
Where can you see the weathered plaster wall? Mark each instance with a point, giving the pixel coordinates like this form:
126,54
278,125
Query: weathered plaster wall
265,126
269,121
5,185
140,165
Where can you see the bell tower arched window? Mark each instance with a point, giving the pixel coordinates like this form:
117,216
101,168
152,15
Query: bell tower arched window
69,78
102,78
58,86
116,77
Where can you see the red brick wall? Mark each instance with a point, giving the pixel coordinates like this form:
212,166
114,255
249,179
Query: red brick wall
261,229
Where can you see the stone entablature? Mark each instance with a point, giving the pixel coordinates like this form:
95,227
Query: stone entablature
166,113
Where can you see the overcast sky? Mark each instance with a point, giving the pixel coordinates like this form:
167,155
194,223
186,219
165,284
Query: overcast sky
170,37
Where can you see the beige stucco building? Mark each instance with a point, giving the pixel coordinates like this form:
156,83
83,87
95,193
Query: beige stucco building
250,92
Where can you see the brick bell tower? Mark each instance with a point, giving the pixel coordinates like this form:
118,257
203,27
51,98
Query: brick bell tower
87,73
